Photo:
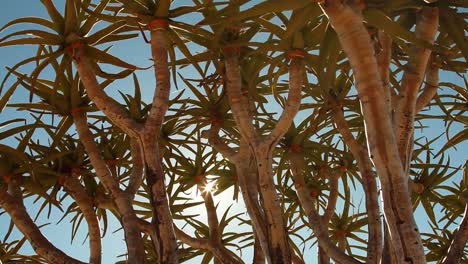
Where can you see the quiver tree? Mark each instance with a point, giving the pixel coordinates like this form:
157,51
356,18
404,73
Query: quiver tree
303,109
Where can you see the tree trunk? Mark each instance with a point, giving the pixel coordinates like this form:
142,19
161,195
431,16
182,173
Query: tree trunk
382,143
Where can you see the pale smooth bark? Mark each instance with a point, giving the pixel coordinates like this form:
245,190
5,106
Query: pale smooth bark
382,144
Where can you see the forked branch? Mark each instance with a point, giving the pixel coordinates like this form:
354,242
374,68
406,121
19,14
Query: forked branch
122,200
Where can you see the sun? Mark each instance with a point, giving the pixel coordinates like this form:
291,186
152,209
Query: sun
208,187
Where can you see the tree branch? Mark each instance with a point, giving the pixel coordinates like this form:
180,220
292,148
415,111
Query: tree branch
155,177
159,44
356,43
315,221
26,225
248,185
332,198
219,145
85,203
430,88
374,250
213,224
248,182
136,177
236,99
427,22
122,200
111,108
458,244
218,249
199,243
384,56
296,79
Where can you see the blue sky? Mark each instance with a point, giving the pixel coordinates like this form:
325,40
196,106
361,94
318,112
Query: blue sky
113,243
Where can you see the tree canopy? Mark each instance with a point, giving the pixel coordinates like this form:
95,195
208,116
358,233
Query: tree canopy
278,131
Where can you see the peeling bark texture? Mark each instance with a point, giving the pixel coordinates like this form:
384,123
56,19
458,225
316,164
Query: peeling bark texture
458,244
122,200
427,21
29,229
398,210
162,217
85,203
